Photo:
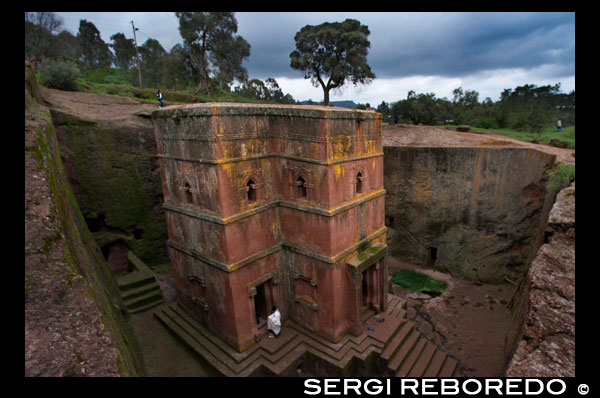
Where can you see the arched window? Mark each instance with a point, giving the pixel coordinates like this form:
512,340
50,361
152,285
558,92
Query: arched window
359,183
301,188
251,191
188,194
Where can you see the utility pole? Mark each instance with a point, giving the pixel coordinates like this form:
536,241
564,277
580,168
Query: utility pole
137,54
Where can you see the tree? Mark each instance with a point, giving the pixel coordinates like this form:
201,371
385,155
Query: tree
254,89
385,110
529,107
331,54
421,108
177,70
212,45
275,93
466,105
153,59
95,53
124,50
268,90
39,29
468,98
66,46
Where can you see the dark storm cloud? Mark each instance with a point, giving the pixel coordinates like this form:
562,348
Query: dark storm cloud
449,45
407,44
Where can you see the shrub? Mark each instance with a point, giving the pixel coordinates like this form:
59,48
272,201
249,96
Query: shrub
58,74
561,176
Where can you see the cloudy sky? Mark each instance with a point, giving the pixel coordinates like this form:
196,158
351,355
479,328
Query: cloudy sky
424,52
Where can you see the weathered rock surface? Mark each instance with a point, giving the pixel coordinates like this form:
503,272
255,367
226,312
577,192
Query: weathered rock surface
476,212
110,160
71,325
545,307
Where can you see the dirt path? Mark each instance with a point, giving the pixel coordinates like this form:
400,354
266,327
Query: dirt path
411,135
112,108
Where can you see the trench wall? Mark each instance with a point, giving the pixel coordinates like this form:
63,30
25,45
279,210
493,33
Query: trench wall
85,260
113,171
481,209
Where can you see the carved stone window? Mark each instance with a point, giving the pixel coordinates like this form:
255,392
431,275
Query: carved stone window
251,191
359,183
301,188
188,194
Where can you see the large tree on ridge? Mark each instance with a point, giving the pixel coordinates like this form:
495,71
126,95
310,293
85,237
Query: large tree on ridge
331,54
124,49
212,44
95,53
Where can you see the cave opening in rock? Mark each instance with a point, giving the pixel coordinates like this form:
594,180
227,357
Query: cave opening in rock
138,233
389,221
95,224
432,256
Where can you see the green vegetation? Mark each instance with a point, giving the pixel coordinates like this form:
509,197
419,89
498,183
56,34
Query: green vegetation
417,282
114,81
59,74
561,176
114,183
364,253
211,44
332,54
203,69
528,112
543,137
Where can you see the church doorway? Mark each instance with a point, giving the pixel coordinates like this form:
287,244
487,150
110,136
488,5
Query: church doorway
371,287
263,302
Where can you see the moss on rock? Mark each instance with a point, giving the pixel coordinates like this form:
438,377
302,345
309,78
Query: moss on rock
113,170
84,257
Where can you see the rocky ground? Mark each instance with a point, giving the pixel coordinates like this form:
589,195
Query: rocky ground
64,331
468,320
411,135
547,345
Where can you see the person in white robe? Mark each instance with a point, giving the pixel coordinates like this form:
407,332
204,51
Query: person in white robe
274,322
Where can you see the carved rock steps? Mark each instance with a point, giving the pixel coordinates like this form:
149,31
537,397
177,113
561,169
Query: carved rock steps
395,341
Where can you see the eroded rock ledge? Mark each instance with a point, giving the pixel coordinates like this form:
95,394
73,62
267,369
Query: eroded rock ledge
545,302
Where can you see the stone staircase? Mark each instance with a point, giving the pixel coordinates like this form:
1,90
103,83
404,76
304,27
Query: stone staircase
395,347
139,289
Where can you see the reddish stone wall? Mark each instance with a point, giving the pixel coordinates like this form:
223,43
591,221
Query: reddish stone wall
295,239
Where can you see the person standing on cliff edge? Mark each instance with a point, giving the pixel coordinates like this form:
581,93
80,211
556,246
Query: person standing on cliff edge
159,96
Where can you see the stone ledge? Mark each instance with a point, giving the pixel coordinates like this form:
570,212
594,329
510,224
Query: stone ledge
278,202
270,250
327,162
243,109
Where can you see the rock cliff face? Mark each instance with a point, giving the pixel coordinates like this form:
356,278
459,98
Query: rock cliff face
113,170
475,212
542,337
73,324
